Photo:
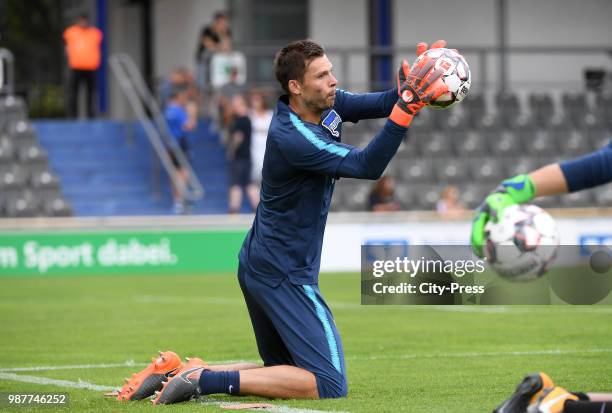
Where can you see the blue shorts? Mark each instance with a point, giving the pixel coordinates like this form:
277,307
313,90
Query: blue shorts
293,326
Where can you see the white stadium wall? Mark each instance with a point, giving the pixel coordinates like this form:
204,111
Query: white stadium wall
124,37
340,24
344,23
553,23
176,27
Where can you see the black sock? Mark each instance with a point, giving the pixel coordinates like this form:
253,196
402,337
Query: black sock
577,406
213,382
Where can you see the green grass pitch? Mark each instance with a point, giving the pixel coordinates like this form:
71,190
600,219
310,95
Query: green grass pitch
399,358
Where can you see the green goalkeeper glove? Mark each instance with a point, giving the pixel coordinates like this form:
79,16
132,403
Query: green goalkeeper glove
517,190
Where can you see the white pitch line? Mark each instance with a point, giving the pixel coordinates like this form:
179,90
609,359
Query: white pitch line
96,387
276,408
552,352
129,363
54,382
483,309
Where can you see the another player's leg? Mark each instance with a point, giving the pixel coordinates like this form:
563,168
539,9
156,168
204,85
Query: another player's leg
559,400
538,394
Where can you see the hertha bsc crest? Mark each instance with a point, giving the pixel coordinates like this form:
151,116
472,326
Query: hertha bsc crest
332,122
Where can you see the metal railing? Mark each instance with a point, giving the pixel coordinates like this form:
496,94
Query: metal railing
490,62
156,128
7,72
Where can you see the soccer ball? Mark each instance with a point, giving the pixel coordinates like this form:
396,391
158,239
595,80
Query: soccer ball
456,76
523,243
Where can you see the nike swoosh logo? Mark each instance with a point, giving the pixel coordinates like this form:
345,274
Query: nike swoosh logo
229,390
516,185
183,375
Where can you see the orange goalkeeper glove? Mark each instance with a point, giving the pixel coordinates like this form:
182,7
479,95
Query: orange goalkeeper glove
423,84
420,49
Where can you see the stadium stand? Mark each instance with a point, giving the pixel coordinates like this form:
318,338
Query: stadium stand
28,188
482,141
109,168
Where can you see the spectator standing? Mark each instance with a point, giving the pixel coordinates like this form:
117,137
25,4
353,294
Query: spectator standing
83,43
180,78
449,205
213,38
239,156
382,198
180,121
260,116
225,97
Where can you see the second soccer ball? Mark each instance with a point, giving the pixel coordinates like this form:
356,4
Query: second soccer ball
523,243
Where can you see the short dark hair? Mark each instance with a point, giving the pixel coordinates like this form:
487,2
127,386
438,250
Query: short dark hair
291,61
221,14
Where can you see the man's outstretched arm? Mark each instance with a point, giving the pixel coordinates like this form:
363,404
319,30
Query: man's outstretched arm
354,107
585,172
309,151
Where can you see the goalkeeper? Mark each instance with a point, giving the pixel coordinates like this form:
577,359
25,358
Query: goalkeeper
280,258
568,176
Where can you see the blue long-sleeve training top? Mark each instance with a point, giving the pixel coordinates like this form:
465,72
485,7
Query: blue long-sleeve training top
589,170
301,163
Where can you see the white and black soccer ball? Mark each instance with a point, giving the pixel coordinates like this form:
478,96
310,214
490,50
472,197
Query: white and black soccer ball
456,76
522,245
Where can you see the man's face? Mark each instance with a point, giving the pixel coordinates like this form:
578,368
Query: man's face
319,85
222,24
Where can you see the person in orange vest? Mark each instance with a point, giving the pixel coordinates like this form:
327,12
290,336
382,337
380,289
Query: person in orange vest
83,43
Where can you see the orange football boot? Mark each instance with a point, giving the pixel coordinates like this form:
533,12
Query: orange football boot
526,393
144,383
